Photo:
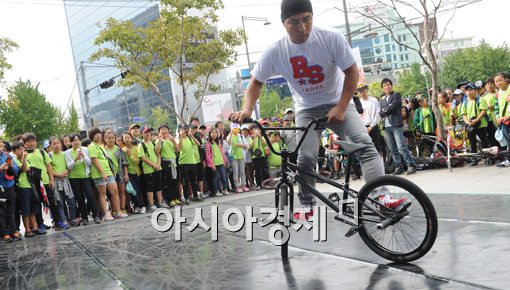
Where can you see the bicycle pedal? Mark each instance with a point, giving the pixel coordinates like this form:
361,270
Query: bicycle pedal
334,197
352,231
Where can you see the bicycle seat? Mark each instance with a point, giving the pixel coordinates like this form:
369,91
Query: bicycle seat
352,148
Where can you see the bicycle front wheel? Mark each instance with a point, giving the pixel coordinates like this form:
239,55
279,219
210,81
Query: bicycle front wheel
407,239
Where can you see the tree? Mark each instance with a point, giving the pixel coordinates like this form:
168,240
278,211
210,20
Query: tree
6,46
411,81
179,37
427,12
71,122
478,63
27,110
374,89
157,117
271,104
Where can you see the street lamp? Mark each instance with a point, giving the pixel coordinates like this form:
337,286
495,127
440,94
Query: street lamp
266,22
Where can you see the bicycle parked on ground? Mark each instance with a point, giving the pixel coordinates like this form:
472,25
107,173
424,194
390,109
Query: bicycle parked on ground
402,235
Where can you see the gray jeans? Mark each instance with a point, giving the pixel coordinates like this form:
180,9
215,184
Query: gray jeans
352,128
239,174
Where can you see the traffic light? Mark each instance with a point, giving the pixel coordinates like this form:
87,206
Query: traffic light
107,84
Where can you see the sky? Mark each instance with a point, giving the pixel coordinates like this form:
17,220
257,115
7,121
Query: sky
45,57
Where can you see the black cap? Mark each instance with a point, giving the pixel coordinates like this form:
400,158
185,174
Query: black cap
463,83
470,86
293,7
202,127
163,126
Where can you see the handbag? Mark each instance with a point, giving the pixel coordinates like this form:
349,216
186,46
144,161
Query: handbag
130,189
500,137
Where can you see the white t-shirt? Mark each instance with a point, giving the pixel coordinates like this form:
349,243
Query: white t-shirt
313,69
371,110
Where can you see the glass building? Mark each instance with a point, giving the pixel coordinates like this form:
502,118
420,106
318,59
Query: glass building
114,107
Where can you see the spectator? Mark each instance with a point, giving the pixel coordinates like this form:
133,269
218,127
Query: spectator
120,169
78,163
216,160
188,164
502,81
26,192
370,115
169,150
8,170
473,112
391,105
236,156
63,191
40,165
149,154
103,177
134,172
248,161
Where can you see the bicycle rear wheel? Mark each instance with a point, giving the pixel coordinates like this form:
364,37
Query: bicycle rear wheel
409,238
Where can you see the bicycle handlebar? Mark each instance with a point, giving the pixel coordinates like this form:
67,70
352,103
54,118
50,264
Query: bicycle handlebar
263,130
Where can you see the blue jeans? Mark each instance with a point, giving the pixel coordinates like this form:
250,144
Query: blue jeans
222,177
66,207
395,138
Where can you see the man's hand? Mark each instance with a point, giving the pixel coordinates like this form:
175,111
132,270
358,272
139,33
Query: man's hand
238,117
336,115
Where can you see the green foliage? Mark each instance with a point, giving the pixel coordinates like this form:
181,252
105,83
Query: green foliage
411,81
71,123
478,63
27,110
272,104
6,46
374,89
178,37
157,117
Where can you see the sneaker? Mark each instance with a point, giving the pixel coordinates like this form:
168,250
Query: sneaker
7,239
246,189
163,205
196,198
411,169
108,217
137,210
502,164
153,207
143,210
218,194
16,236
61,225
121,214
305,212
474,163
177,202
97,220
239,190
47,227
398,171
41,230
29,235
257,188
186,201
395,204
225,192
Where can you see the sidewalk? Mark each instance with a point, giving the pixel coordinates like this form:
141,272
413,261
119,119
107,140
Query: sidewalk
462,180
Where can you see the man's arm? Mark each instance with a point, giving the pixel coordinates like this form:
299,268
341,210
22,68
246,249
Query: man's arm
251,96
351,80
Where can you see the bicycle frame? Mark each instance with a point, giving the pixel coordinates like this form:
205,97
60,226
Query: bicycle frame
342,202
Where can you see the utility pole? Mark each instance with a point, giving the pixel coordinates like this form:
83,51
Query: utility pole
347,26
86,108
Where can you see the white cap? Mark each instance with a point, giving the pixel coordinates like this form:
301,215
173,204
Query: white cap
457,92
245,126
289,110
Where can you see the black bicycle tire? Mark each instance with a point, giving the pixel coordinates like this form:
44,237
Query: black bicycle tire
421,148
422,198
284,201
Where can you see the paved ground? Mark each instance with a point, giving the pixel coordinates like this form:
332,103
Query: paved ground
472,249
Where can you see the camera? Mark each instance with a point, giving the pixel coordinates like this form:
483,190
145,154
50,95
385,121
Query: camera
30,150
